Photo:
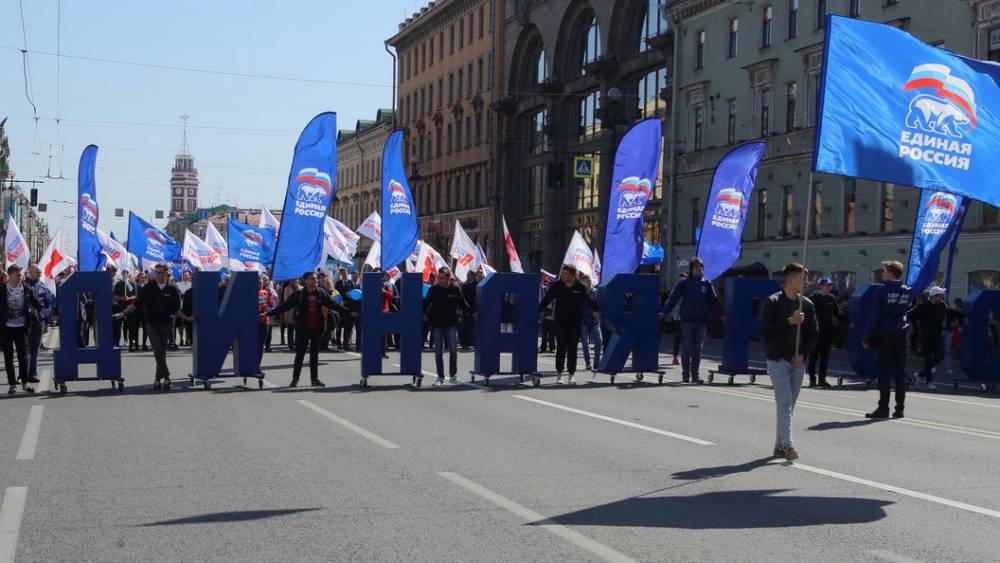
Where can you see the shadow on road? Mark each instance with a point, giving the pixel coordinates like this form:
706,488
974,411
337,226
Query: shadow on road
837,425
721,471
223,517
728,510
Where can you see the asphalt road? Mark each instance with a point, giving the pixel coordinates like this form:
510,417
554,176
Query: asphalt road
508,473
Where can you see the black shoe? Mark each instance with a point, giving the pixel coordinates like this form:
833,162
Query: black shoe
317,383
145,348
877,414
12,390
166,384
157,385
823,383
33,379
268,349
898,413
812,381
294,383
27,389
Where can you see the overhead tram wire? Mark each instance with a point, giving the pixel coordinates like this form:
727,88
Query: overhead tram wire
28,90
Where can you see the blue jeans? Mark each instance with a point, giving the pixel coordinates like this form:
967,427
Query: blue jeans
591,333
692,339
787,382
441,336
34,344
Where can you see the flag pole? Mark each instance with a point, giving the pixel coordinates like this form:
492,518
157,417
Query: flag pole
805,251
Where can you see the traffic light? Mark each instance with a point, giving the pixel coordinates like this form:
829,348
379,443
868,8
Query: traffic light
34,197
557,174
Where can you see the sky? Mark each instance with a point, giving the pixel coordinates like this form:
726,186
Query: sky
242,130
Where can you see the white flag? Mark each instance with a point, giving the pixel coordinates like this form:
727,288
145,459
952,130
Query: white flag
16,249
372,227
350,236
54,261
429,261
597,269
579,254
218,244
463,250
334,244
374,256
200,254
512,257
115,252
268,221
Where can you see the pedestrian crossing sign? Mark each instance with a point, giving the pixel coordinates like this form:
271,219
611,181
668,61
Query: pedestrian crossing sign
583,167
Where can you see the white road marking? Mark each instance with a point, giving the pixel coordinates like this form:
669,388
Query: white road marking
11,512
52,336
600,550
44,381
667,433
29,440
348,425
886,555
892,489
269,385
977,432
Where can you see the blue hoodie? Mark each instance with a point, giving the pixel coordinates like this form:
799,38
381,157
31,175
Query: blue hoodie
697,297
888,314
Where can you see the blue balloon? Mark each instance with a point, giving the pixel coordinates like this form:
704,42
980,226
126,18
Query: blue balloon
427,287
354,294
338,298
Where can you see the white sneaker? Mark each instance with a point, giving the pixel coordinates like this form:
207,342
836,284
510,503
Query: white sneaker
572,380
438,382
931,386
950,371
453,380
559,380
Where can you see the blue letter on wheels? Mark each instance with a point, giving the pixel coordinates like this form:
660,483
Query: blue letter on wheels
408,323
491,296
977,360
233,323
637,331
69,357
743,296
861,302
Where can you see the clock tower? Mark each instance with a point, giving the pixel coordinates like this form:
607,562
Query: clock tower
183,179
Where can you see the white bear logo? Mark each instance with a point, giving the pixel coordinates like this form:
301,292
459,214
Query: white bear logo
633,198
935,115
728,209
311,193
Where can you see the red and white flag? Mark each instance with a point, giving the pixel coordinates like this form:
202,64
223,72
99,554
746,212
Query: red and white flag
512,257
463,250
214,239
350,236
113,250
374,258
597,269
429,261
372,227
15,248
200,254
54,261
580,255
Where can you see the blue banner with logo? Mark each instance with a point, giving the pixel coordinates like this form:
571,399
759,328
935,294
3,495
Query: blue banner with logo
652,254
88,250
145,240
636,163
399,214
726,208
895,109
253,246
938,220
311,184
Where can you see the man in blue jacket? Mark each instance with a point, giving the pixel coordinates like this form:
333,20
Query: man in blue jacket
697,298
886,332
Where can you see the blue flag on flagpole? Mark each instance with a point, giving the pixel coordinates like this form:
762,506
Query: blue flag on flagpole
253,246
895,109
938,220
145,240
88,250
636,162
726,208
399,213
311,184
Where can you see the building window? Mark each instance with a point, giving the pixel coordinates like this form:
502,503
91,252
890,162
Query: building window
482,19
532,190
590,124
468,131
993,49
460,82
479,128
458,135
437,150
793,18
430,50
653,24
791,119
471,35
451,88
423,56
536,123
761,214
887,207
648,89
591,44
541,72
441,46
440,101
468,84
699,122
764,111
786,212
699,50
447,196
850,185
734,37
731,123
479,189
586,188
812,88
430,97
845,281
817,209
855,9
450,128
695,219
820,14
479,80
765,37
984,279
451,40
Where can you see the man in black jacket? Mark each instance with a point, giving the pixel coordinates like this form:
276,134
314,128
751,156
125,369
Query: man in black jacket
570,296
344,286
308,303
788,324
442,306
18,311
159,300
934,318
827,311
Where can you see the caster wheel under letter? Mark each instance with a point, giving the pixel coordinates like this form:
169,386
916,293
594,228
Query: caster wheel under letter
711,378
660,379
753,379
420,380
207,386
536,381
62,388
612,380
260,384
731,380
638,377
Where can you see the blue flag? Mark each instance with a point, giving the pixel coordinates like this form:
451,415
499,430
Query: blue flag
636,163
252,246
895,109
399,214
150,242
652,254
726,208
88,250
938,220
311,184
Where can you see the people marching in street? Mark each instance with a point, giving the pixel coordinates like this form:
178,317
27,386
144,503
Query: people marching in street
43,315
934,317
443,306
265,302
19,309
590,328
159,301
885,331
570,298
788,325
827,313
697,298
